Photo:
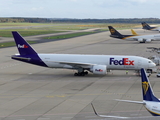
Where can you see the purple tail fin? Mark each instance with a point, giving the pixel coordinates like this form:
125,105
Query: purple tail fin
23,46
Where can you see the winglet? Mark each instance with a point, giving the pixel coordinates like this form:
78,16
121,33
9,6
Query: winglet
147,91
133,32
23,46
94,110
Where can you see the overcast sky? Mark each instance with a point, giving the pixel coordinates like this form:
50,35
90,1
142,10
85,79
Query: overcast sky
99,9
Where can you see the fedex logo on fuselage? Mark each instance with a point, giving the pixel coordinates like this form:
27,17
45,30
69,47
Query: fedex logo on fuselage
99,70
22,46
124,61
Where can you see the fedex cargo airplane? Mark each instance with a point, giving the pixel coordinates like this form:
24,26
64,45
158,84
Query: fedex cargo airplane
150,102
96,64
148,27
134,37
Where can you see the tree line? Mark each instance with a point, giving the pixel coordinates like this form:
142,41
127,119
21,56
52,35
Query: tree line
21,20
66,20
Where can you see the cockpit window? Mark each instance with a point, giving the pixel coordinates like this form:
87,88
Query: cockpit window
149,62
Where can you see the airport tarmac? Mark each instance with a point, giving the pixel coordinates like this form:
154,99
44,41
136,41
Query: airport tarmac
29,92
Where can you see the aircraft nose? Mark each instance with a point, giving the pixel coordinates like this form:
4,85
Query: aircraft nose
152,65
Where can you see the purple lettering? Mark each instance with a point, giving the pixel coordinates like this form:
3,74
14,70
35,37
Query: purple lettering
111,60
124,61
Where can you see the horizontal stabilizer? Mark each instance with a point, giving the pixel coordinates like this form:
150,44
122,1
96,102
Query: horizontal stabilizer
129,101
22,58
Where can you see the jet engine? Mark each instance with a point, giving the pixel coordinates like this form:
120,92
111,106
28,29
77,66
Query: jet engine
148,40
99,69
141,40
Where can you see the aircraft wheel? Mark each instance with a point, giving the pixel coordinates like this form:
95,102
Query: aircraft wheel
82,74
86,73
75,74
149,70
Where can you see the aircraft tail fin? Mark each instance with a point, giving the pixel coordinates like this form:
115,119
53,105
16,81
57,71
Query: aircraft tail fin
145,26
147,91
23,46
133,32
113,31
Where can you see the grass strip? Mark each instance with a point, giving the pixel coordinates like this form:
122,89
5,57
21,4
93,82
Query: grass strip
10,44
26,33
69,35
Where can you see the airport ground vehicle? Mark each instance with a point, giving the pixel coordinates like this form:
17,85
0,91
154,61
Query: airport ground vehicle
158,74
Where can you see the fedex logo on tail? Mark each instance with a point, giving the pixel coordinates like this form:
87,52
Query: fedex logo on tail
124,61
22,46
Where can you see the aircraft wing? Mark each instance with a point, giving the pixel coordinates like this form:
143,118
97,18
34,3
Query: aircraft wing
107,116
75,64
129,101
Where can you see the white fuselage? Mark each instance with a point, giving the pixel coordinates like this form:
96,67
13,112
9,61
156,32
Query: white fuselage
154,37
152,107
119,62
156,29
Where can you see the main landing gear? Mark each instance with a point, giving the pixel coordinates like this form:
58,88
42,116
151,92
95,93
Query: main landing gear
149,71
81,73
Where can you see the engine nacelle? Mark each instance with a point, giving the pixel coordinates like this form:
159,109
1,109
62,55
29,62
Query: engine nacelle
148,40
99,69
141,40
